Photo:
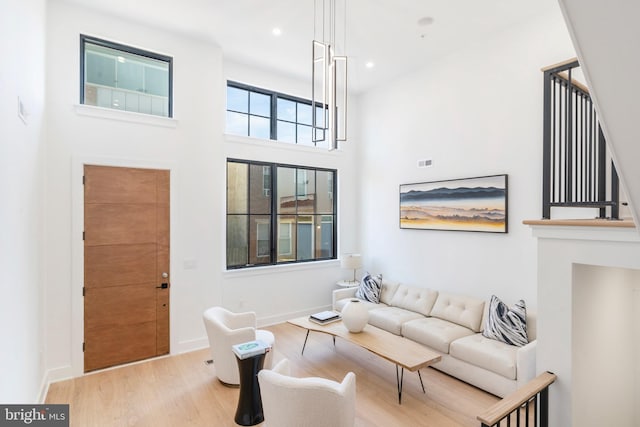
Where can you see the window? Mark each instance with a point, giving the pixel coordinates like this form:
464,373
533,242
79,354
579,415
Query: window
292,222
266,181
125,78
265,114
248,112
284,239
264,244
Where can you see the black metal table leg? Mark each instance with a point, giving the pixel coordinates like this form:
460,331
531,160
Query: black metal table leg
421,383
305,342
399,380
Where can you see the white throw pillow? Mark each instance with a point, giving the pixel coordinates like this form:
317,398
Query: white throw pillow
505,324
370,288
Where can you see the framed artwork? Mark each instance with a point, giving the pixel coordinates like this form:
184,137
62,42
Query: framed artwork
469,204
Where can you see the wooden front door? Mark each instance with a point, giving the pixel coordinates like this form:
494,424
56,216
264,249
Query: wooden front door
126,265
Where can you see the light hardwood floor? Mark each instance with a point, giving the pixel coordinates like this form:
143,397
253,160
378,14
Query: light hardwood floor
183,391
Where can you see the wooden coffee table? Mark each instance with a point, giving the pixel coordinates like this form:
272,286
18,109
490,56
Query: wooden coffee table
404,353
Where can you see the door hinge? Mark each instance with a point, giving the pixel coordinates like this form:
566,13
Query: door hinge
83,347
83,235
83,291
83,179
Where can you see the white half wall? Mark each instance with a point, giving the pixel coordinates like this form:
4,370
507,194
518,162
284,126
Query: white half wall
475,112
22,147
569,345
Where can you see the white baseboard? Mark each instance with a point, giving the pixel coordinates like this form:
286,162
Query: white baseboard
191,345
60,374
280,318
44,388
51,376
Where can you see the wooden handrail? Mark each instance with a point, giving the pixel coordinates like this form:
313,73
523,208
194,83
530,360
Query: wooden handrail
565,76
595,222
516,399
559,64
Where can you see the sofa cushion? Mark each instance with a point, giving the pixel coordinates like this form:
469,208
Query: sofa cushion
435,333
486,353
369,289
391,318
462,310
370,305
416,299
388,291
506,324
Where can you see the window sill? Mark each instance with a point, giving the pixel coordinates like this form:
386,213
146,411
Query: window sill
230,138
278,269
125,116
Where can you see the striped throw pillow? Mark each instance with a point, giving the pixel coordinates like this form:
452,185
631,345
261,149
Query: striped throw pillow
370,288
505,324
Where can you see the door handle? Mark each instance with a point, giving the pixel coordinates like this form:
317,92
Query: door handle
164,285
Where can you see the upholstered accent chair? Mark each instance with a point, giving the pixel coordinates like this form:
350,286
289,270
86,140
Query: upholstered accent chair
306,402
224,329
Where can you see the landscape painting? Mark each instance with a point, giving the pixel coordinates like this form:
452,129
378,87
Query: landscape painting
470,204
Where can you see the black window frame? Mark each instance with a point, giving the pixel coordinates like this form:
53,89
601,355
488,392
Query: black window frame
127,49
275,95
274,231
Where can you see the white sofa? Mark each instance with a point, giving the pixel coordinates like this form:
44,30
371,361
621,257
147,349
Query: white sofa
451,325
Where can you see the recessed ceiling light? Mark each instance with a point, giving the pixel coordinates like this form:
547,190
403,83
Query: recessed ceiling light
276,31
370,64
425,20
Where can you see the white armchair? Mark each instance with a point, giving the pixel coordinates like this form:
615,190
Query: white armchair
306,402
224,329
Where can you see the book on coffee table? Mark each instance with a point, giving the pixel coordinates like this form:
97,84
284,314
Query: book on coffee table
325,317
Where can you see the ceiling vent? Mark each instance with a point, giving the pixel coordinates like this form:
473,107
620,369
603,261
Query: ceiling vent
425,163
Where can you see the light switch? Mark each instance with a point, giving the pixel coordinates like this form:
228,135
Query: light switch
190,264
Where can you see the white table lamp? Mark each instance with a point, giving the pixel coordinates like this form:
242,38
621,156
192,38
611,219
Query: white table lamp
351,262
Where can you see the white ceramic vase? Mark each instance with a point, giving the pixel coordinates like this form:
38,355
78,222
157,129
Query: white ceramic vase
355,315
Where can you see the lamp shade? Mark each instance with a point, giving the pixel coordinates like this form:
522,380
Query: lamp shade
351,261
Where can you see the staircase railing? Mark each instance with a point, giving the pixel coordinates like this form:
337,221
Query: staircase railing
575,153
527,406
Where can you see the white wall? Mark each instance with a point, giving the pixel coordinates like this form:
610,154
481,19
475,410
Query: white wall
475,112
195,149
278,293
22,43
606,306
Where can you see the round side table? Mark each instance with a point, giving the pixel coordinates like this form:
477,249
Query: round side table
347,283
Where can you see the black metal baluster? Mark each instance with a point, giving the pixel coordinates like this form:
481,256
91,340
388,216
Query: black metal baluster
546,148
602,168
